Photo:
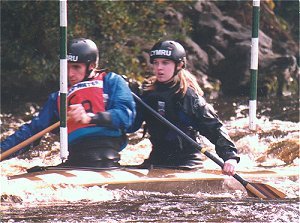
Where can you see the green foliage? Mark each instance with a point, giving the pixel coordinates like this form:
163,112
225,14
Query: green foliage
116,27
29,44
30,38
123,30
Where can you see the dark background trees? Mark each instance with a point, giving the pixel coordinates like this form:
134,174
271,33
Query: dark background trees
124,32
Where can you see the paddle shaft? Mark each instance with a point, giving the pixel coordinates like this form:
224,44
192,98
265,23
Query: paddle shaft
28,141
186,137
259,190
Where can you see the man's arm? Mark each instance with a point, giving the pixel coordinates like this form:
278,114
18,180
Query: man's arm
47,116
120,106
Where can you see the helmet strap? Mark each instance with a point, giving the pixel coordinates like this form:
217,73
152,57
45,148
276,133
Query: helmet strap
87,72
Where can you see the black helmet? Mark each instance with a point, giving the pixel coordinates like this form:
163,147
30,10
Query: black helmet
83,50
168,49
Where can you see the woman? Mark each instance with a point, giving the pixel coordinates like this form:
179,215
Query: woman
175,94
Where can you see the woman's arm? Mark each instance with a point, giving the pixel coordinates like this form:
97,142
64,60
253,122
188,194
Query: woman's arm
209,125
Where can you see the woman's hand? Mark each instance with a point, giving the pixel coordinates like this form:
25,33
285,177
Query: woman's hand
229,167
77,113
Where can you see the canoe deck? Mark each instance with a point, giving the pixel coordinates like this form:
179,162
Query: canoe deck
161,180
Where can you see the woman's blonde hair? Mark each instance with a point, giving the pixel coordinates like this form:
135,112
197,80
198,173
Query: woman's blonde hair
183,77
186,80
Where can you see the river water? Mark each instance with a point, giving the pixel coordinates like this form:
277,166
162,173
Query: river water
274,146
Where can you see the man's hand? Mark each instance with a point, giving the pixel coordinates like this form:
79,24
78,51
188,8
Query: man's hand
77,113
229,167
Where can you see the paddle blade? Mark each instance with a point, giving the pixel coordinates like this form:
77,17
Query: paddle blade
263,191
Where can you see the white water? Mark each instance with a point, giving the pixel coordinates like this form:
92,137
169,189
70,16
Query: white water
275,146
253,148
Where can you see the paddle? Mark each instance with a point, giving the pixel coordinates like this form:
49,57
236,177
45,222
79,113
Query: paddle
28,141
259,190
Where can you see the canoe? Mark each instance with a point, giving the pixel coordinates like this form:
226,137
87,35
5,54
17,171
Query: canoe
157,179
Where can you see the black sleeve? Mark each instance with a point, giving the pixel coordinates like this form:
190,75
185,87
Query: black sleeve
102,119
209,125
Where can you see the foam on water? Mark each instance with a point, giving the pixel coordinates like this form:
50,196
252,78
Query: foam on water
253,148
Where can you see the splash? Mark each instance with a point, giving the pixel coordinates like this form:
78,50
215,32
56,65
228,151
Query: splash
260,150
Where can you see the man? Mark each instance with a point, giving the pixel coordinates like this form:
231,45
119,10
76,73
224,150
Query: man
100,110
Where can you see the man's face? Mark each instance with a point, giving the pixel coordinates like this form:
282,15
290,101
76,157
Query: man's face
76,72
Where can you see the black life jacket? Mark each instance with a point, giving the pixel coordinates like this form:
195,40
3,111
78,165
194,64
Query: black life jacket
168,103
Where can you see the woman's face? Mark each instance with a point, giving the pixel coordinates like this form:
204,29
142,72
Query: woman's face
163,69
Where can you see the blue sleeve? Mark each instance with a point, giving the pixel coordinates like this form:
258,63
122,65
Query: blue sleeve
120,104
47,116
139,119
